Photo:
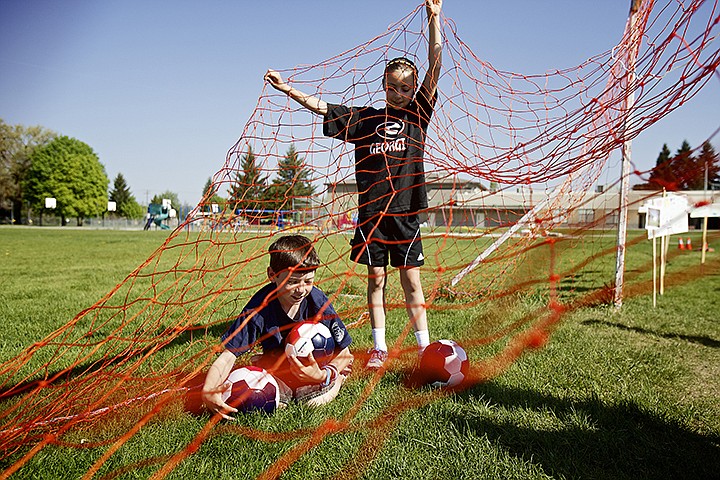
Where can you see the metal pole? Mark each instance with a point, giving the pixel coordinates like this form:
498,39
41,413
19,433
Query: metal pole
631,41
705,219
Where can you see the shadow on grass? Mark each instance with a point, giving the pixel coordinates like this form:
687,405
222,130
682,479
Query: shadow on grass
610,441
706,341
89,367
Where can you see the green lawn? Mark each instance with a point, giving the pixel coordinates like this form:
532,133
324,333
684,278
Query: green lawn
633,393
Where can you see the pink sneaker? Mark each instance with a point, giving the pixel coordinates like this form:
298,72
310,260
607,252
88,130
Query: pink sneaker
377,358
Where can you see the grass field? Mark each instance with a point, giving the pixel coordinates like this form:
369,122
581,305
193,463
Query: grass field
629,394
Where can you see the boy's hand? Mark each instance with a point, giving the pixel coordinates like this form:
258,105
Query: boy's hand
433,7
307,370
213,402
276,80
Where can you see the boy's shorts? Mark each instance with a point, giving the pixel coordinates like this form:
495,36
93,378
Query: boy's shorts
380,236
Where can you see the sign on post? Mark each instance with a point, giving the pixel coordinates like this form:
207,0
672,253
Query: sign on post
665,216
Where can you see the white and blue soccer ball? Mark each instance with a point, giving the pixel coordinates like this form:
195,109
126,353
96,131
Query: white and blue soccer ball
310,338
250,389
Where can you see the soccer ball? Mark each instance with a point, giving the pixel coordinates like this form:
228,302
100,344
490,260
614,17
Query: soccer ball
251,388
444,363
310,338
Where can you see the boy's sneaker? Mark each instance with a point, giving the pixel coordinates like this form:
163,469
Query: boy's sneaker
377,359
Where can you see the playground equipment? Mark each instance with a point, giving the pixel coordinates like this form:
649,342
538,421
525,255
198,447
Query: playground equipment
157,213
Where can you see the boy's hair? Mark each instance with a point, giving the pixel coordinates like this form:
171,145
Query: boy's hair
294,252
401,63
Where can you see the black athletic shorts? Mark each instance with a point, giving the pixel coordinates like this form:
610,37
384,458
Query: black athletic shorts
380,236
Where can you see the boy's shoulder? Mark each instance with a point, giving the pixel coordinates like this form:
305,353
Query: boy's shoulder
316,302
318,296
259,296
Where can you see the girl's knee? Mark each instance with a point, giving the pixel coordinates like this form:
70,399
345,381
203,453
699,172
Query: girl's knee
376,279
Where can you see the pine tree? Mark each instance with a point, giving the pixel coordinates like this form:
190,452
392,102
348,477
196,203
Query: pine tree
250,184
210,197
684,167
683,171
293,187
661,176
707,159
125,204
208,189
120,192
664,156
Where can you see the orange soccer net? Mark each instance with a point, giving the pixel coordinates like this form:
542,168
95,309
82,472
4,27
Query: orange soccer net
513,164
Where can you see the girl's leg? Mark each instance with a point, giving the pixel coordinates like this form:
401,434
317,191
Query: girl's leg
415,303
377,277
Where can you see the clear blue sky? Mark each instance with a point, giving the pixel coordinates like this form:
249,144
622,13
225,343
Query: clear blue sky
162,89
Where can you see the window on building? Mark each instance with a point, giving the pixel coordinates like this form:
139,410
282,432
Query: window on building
586,215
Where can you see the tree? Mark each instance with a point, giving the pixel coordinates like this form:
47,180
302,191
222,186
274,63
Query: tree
172,196
664,156
127,206
210,197
208,189
292,188
660,176
684,168
120,192
131,209
247,191
708,159
70,171
17,144
683,171
210,194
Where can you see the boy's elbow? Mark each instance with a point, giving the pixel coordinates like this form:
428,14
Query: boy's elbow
344,355
348,356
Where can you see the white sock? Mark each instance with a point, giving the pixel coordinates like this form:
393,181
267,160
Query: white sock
423,338
378,336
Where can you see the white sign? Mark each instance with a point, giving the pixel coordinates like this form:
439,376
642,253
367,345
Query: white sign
112,206
50,202
666,215
712,210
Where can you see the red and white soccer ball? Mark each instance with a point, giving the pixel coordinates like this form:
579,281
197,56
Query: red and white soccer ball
308,338
251,388
444,363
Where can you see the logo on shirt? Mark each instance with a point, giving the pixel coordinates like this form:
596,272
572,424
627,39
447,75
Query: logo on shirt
337,332
390,132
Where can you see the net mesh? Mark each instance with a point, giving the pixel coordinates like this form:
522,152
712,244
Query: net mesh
511,161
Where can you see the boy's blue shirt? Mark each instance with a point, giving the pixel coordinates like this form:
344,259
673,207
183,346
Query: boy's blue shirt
269,325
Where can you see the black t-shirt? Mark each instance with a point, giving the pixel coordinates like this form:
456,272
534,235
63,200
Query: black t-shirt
389,145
